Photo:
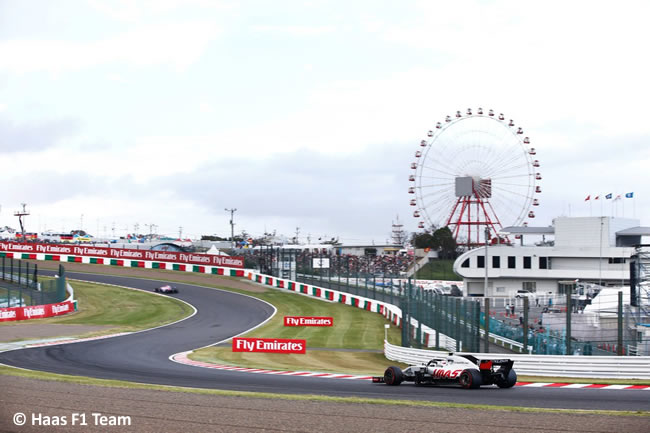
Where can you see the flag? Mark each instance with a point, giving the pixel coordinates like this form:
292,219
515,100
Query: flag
587,199
608,196
629,195
618,197
597,197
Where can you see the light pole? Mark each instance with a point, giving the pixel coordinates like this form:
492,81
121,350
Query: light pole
487,234
232,225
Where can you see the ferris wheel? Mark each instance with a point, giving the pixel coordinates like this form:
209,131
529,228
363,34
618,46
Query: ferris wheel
476,173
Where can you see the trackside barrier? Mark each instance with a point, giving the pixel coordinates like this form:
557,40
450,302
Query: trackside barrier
505,342
540,365
390,311
129,263
610,367
40,311
605,367
427,339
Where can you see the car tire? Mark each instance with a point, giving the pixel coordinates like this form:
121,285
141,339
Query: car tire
393,376
470,379
509,381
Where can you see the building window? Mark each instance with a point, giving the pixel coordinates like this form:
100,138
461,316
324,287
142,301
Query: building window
543,263
511,262
565,287
480,261
465,264
501,289
496,262
531,286
527,261
613,260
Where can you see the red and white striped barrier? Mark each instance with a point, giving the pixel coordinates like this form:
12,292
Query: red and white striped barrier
36,311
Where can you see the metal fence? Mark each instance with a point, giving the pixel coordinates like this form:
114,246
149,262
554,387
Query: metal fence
21,286
537,324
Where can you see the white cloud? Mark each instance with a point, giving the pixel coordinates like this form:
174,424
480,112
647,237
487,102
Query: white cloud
573,75
131,11
294,30
176,44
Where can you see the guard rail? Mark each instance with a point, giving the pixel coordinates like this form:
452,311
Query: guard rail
610,367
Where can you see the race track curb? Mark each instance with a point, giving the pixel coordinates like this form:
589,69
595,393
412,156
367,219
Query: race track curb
182,358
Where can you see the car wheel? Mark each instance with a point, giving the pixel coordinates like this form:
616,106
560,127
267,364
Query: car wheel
470,379
393,376
508,382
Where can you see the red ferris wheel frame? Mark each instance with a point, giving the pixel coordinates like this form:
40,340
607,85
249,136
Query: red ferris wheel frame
464,221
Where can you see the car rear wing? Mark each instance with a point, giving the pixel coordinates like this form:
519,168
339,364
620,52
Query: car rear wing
489,364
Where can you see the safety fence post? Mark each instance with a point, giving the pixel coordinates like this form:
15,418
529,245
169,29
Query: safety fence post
619,346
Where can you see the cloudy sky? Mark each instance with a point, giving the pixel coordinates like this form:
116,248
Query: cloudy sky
305,113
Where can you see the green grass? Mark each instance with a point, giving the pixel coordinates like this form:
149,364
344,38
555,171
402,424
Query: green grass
438,269
359,363
117,308
353,329
347,400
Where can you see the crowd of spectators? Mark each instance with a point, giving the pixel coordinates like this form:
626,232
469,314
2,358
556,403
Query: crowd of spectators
386,265
380,265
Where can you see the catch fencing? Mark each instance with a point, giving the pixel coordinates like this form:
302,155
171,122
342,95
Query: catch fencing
20,285
542,323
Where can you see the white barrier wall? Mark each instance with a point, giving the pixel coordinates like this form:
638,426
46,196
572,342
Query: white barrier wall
610,367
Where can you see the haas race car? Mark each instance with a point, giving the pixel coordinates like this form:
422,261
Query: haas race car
464,370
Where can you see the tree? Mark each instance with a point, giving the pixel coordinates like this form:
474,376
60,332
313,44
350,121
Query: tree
422,240
443,241
212,238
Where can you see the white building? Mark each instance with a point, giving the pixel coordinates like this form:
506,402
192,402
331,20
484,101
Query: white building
589,249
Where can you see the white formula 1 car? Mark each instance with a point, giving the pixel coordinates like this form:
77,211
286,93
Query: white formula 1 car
464,370
166,289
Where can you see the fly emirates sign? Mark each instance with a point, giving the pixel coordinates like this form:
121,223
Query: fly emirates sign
269,345
308,321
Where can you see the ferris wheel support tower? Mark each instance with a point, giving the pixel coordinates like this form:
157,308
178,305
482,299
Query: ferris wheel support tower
473,192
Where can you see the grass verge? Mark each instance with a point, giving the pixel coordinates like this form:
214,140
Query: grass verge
349,400
118,309
367,336
353,334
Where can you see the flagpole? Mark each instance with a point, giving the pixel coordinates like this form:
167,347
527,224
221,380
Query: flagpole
602,212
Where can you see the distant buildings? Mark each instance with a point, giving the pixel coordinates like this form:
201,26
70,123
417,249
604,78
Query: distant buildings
586,249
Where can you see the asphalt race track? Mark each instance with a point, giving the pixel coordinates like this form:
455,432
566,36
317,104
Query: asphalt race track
143,357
